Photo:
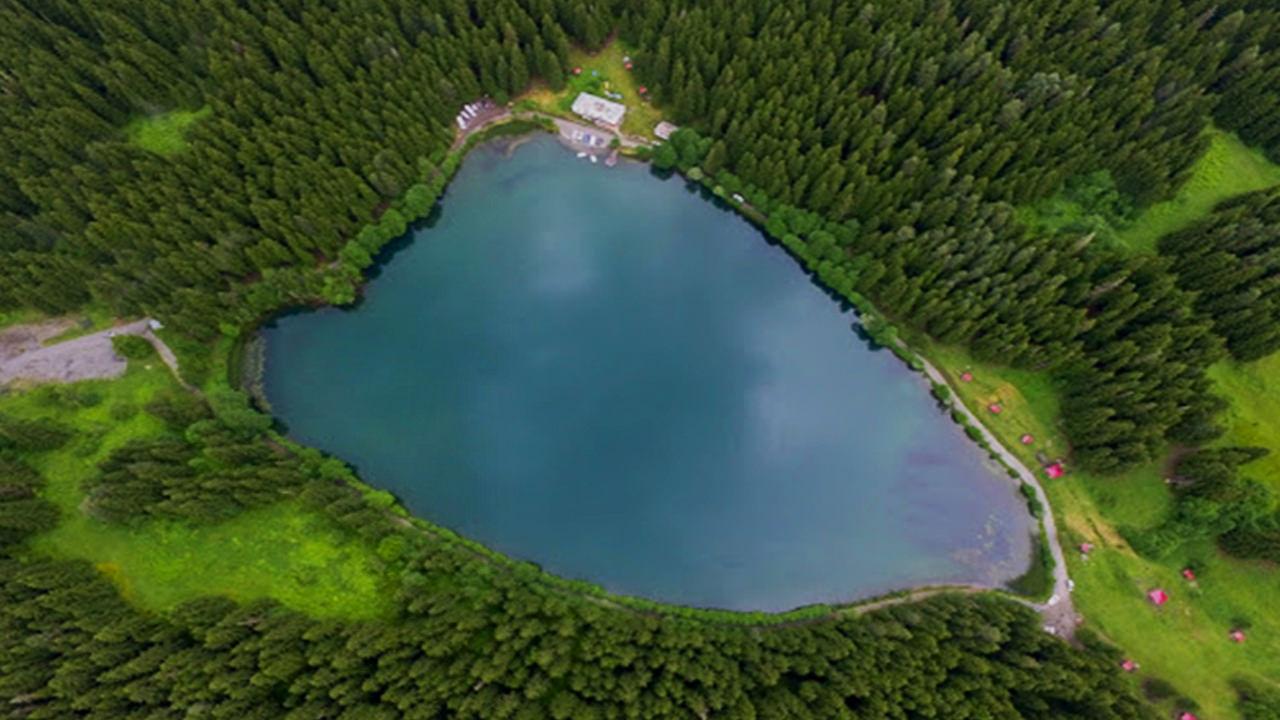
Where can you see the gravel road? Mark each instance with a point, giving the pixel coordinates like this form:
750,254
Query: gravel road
88,357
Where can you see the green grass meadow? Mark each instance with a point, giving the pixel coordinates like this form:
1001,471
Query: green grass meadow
1186,641
282,551
164,133
611,74
1227,169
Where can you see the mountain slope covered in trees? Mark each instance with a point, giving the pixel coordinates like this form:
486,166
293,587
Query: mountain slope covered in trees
888,142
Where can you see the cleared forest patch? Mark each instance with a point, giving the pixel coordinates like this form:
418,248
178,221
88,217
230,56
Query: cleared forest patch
164,133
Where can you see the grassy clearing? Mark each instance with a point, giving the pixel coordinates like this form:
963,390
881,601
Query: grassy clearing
1229,168
601,71
1092,204
19,317
1185,642
283,551
1254,416
164,134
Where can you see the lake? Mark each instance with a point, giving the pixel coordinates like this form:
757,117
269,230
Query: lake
600,371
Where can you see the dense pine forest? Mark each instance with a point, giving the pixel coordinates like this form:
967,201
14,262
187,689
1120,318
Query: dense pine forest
887,143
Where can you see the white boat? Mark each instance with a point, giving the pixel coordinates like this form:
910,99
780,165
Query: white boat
594,159
582,154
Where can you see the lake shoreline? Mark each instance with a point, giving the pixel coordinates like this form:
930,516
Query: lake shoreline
756,219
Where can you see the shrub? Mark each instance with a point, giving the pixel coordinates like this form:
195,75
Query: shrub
1157,689
34,435
1037,581
942,393
177,409
132,347
122,411
1255,701
233,409
1033,502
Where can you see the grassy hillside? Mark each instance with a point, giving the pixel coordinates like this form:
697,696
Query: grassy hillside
1185,642
283,551
1254,415
1229,168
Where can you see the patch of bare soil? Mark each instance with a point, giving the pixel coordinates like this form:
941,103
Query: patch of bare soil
84,358
19,339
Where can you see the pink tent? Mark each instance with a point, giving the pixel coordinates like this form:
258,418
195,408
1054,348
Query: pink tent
1187,716
967,377
1189,574
1158,596
1237,636
1028,439
1086,548
1128,665
995,408
1054,471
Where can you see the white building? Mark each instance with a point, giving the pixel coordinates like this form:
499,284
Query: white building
598,110
664,129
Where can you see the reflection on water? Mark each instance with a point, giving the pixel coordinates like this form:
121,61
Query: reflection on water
598,371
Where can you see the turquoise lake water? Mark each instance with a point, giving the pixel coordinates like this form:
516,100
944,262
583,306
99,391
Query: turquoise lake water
599,371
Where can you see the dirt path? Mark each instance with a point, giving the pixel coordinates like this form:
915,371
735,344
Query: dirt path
1058,612
464,135
20,339
89,357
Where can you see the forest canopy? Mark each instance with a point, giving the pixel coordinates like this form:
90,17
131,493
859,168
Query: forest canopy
886,143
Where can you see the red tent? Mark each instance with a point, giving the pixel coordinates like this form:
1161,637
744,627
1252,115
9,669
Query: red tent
1054,471
642,90
995,408
1189,574
1237,636
967,377
1028,439
1086,548
1158,596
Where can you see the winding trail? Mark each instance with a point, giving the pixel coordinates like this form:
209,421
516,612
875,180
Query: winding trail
1059,611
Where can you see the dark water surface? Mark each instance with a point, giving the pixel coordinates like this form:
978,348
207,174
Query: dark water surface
598,371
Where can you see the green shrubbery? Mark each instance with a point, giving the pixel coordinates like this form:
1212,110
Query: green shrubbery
132,347
1034,506
1215,500
1037,581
